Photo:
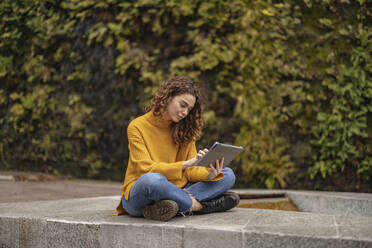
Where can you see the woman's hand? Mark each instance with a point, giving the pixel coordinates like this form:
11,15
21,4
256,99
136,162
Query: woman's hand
194,160
215,170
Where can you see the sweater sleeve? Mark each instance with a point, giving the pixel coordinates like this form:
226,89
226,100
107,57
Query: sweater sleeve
141,160
198,173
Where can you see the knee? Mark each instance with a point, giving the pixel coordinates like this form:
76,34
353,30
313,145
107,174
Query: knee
151,179
229,176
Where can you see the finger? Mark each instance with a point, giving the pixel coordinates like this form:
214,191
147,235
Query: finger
212,168
205,150
221,163
217,166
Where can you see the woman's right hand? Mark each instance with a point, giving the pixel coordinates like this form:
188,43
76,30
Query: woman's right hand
194,160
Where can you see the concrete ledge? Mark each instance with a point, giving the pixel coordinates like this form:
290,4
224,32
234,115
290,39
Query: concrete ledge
87,222
334,203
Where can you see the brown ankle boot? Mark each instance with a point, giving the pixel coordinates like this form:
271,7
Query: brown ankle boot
162,210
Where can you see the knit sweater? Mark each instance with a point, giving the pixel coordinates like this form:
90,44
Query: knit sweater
152,149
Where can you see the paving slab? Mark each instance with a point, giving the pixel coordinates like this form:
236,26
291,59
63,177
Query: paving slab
88,222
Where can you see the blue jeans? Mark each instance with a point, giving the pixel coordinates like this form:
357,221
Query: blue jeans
153,187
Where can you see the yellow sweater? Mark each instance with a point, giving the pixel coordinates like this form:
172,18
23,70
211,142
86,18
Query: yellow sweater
151,149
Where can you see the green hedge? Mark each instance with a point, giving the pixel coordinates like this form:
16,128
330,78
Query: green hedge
288,80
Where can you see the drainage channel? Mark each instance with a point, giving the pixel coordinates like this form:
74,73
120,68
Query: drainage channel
274,201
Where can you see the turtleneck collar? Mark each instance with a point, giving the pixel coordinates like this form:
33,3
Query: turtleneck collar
157,120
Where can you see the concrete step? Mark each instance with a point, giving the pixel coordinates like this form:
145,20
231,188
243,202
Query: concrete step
334,203
28,176
281,203
266,200
87,222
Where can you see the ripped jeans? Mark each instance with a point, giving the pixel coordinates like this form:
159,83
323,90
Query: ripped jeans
153,187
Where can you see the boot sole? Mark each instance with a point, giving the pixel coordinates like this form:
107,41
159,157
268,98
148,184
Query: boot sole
162,210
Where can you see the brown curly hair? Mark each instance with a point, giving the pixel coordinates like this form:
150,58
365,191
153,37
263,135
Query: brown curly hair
191,126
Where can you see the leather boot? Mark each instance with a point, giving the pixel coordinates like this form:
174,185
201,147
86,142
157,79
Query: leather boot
162,210
221,203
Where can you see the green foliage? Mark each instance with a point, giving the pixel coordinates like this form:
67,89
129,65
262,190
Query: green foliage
288,80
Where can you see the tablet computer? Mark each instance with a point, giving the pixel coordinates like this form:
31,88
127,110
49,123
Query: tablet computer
217,151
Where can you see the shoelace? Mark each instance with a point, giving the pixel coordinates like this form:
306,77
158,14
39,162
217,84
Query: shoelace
187,213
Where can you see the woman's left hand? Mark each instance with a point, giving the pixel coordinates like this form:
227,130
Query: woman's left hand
215,170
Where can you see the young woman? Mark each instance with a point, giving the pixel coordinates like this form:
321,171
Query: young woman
161,178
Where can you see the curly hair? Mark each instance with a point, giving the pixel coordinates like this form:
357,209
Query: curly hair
191,126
